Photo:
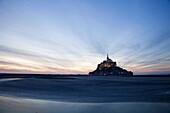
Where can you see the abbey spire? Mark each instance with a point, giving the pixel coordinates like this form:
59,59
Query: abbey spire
107,57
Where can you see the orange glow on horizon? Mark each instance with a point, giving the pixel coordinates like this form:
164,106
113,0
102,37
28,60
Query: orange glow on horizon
39,70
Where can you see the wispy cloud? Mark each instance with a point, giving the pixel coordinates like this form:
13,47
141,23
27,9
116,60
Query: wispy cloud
73,36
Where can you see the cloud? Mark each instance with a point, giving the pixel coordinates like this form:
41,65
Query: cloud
64,37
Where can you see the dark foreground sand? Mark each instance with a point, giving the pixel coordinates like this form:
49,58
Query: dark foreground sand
95,89
24,105
87,94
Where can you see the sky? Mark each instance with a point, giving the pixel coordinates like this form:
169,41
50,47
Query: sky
73,36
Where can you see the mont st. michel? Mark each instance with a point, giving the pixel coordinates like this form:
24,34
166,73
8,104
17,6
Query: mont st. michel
50,93
108,67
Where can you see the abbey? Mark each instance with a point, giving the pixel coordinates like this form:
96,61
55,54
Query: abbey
108,67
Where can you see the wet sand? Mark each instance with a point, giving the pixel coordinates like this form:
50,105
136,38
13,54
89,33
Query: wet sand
23,105
90,89
85,95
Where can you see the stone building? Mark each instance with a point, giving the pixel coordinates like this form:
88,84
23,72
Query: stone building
108,67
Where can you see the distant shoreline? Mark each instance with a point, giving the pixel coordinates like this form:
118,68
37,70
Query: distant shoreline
50,76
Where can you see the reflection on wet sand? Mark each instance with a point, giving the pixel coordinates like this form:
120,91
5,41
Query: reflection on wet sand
9,79
23,105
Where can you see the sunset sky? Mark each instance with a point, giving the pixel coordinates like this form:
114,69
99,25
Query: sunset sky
73,36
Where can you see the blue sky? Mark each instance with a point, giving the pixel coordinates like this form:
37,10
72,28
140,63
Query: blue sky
73,36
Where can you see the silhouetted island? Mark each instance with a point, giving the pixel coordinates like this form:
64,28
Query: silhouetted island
108,67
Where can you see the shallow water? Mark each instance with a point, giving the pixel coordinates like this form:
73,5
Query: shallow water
23,105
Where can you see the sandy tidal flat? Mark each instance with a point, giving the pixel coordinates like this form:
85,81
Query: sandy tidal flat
85,95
